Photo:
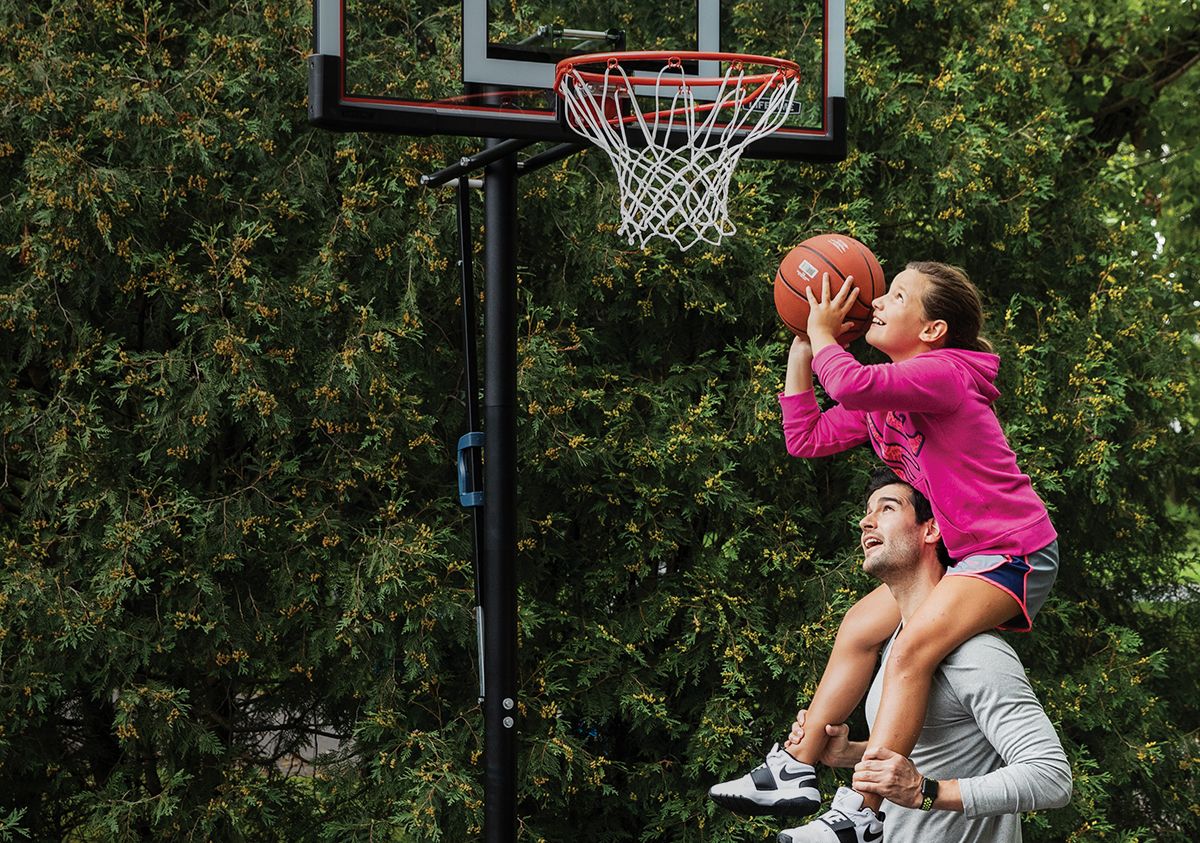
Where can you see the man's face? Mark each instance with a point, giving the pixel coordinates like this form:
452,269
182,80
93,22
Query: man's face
891,536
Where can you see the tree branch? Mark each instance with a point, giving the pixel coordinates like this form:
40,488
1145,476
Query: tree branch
1157,86
1122,116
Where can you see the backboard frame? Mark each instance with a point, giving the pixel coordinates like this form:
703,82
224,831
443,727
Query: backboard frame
330,106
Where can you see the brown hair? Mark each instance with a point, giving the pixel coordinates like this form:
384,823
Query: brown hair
951,297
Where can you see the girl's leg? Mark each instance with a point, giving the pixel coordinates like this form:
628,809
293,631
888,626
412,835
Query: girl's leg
864,631
957,609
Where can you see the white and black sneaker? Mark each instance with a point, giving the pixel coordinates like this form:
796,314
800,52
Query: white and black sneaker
847,821
781,786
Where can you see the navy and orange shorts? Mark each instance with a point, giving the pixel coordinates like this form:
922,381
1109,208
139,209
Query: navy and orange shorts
1027,578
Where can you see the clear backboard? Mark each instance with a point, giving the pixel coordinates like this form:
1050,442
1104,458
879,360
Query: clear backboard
482,68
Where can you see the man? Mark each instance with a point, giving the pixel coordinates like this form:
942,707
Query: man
987,751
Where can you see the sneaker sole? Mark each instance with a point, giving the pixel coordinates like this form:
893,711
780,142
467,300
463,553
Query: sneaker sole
800,807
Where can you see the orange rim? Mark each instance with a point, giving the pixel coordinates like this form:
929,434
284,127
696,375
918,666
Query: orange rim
784,69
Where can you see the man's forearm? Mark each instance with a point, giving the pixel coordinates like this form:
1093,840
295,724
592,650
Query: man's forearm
949,796
1036,774
1018,787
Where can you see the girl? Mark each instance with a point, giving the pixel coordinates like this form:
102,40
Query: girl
928,415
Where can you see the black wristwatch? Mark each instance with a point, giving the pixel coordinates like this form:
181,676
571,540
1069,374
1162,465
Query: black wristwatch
929,792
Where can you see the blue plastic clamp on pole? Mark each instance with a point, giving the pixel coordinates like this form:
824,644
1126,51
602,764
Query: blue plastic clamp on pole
474,439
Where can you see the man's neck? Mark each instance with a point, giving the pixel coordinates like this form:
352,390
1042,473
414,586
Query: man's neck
910,591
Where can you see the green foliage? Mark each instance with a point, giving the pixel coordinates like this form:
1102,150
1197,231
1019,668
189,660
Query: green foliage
233,389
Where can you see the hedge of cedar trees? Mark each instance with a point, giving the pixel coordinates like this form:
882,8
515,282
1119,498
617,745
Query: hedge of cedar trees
232,387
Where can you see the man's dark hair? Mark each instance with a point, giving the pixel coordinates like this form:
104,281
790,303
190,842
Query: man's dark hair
922,508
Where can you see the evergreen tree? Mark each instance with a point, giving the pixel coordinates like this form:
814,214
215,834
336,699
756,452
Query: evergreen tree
232,389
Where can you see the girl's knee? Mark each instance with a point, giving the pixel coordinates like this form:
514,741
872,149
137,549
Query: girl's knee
918,654
860,631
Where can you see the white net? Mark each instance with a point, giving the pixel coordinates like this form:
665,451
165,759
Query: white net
674,164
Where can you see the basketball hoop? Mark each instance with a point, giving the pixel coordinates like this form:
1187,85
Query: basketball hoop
674,138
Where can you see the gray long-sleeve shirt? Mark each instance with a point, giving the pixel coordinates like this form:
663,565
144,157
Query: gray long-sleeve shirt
985,727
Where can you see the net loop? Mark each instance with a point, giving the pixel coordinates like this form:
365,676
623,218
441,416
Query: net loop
674,140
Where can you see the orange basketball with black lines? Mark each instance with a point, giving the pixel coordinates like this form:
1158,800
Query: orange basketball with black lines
842,257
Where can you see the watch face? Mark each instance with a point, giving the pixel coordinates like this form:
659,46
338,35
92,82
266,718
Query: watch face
929,792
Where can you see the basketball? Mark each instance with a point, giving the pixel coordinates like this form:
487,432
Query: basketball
842,257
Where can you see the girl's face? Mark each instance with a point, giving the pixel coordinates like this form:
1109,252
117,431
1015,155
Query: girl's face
899,326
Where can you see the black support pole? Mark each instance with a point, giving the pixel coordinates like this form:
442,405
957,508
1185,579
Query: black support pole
500,499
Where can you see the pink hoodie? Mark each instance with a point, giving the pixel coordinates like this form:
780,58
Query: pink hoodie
931,420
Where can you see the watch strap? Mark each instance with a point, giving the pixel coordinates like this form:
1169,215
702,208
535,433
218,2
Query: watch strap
929,792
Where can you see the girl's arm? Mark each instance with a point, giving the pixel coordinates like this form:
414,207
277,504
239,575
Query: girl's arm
922,384
806,430
927,383
799,367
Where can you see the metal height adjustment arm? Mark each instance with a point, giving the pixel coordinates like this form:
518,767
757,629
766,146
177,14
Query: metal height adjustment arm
470,163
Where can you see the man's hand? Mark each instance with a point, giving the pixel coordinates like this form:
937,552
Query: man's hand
890,775
839,751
